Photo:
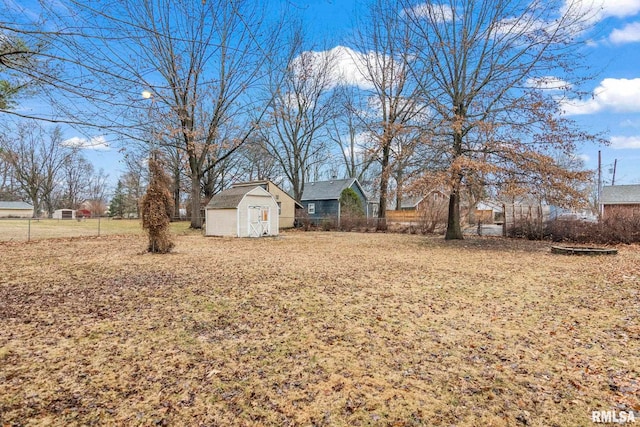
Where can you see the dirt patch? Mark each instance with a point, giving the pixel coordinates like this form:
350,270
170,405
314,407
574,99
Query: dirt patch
315,329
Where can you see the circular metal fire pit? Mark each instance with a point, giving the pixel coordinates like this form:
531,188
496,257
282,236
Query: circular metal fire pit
581,250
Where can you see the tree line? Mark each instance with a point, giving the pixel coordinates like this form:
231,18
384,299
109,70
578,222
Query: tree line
36,166
457,95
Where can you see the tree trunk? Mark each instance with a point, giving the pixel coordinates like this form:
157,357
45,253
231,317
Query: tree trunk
454,231
399,185
196,216
176,193
384,185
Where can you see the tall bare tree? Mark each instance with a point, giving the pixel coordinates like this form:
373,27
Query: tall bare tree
196,61
385,43
36,158
303,102
348,133
76,173
492,72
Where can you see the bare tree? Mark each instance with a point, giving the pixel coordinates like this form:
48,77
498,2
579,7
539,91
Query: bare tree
134,181
257,162
76,173
349,135
385,43
98,188
492,72
196,61
302,105
36,158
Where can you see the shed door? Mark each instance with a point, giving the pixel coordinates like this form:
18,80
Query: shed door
259,221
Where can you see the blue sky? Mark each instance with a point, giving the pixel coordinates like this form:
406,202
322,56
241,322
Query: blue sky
613,107
613,53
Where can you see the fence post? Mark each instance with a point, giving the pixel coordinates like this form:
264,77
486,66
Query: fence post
29,231
99,225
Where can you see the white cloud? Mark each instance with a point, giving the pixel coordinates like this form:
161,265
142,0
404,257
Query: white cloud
619,8
612,94
597,10
584,157
94,143
622,142
630,33
350,67
433,11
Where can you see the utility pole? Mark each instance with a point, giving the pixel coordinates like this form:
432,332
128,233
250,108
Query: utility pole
613,180
599,182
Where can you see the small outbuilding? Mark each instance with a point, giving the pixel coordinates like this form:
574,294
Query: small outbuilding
622,200
15,210
64,214
242,212
287,205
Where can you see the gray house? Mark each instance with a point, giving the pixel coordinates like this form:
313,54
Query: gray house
321,200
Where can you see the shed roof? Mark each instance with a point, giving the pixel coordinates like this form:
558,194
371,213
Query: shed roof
266,184
328,190
620,194
231,198
15,205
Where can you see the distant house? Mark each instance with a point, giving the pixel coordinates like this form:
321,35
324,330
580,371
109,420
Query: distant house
488,212
419,203
83,213
242,212
15,210
287,205
620,200
321,199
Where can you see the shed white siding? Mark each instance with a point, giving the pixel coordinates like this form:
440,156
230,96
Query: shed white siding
242,212
64,214
221,222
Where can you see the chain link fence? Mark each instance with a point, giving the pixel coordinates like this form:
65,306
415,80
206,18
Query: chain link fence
28,229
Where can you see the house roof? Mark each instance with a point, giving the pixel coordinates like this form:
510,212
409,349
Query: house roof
486,205
328,190
15,205
266,183
411,202
231,198
620,194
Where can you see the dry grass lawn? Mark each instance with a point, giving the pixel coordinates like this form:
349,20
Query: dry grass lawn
315,329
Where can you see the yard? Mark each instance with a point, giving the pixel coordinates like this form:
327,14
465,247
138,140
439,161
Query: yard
315,329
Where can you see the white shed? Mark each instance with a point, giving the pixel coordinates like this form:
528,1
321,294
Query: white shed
242,212
64,214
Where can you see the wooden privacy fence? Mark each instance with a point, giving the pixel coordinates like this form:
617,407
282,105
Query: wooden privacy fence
405,216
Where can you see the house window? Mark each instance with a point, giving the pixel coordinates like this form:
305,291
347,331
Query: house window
311,208
279,208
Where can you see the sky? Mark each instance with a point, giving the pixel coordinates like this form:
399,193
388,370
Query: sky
612,106
613,56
